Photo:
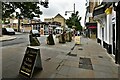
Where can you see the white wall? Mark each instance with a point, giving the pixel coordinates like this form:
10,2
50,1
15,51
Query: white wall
105,29
109,29
101,28
99,31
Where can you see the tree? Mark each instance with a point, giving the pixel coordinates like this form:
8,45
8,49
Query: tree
74,20
27,10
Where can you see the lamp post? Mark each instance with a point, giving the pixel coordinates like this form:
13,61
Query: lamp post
70,11
73,12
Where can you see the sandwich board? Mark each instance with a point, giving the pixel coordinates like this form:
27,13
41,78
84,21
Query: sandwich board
77,40
31,60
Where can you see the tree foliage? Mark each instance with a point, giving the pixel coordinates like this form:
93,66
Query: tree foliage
27,9
74,20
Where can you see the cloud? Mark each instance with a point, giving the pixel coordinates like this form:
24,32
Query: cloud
60,6
56,6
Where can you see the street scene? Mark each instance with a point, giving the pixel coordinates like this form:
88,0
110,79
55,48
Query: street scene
65,44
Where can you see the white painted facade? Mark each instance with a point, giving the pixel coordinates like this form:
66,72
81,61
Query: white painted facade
105,28
114,23
108,30
101,28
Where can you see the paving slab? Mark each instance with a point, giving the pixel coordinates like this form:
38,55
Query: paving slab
58,64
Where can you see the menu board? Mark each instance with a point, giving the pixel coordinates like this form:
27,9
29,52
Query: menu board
77,40
29,61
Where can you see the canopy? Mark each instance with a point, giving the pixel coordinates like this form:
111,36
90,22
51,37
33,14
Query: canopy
59,28
92,27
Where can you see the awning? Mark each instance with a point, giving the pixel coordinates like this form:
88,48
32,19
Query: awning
90,24
92,27
59,28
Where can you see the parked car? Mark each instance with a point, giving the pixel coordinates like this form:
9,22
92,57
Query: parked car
35,33
8,31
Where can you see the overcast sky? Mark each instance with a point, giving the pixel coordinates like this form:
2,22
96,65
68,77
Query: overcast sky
60,6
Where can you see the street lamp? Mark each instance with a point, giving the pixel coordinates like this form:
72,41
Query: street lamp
70,11
73,12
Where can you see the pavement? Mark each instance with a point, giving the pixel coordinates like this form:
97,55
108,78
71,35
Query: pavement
8,37
87,60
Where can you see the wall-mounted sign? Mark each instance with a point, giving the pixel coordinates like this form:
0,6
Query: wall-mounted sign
31,60
108,11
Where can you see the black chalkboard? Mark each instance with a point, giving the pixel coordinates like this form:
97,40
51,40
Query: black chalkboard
31,60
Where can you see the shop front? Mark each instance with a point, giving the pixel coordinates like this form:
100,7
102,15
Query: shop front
107,17
92,29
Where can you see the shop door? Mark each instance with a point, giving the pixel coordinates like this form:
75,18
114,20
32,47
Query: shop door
113,38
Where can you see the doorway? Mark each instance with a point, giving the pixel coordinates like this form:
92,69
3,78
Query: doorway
114,50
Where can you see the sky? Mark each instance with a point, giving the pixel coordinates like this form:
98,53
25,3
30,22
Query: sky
60,6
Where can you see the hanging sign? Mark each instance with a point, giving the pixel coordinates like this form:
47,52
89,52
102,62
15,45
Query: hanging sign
108,11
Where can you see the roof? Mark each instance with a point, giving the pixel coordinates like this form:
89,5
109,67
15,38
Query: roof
59,15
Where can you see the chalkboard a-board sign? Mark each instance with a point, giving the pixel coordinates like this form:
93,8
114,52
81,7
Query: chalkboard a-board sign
31,60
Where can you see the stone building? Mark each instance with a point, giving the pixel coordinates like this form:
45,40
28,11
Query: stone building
58,18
